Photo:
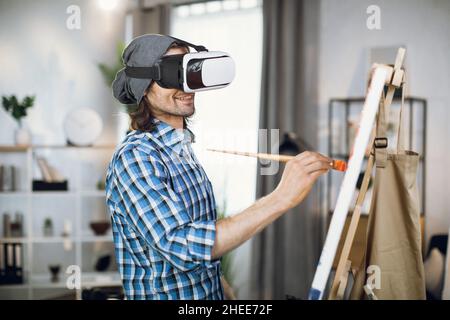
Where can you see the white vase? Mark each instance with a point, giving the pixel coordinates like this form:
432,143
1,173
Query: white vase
22,136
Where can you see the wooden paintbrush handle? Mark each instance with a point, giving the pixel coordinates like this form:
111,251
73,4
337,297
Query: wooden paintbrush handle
338,165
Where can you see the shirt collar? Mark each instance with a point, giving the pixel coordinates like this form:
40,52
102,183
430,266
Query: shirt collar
169,136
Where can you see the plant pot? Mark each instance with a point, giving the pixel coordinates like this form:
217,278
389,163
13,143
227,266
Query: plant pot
100,227
54,271
22,136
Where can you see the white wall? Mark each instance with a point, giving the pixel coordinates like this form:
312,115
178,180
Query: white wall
39,55
423,27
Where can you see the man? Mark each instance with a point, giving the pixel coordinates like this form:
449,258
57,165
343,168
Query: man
168,242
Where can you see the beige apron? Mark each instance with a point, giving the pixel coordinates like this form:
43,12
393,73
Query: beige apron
393,254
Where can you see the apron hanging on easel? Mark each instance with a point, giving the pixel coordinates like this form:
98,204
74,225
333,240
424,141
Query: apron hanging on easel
393,243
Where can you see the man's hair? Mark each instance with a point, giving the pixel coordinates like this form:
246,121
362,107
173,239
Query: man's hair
141,117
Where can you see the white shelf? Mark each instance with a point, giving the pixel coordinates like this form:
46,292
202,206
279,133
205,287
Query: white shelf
75,200
105,238
97,279
88,279
13,148
44,282
70,193
14,193
53,193
61,146
14,240
93,193
14,286
51,239
83,239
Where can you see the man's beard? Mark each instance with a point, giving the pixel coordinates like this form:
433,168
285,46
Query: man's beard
178,111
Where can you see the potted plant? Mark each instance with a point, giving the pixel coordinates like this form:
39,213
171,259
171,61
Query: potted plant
18,111
48,227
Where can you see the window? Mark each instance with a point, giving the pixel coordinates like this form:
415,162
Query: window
228,118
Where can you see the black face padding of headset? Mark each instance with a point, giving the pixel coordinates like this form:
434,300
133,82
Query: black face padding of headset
167,72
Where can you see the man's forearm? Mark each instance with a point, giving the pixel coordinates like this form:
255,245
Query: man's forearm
235,230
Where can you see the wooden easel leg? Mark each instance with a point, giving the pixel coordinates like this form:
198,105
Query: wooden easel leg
343,281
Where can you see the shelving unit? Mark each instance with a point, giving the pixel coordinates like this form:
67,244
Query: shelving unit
69,205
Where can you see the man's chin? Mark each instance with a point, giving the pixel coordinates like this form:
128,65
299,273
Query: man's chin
187,111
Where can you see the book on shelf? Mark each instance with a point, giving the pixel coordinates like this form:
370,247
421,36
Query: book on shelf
45,171
11,268
49,173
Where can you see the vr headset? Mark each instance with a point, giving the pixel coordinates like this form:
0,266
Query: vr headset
190,72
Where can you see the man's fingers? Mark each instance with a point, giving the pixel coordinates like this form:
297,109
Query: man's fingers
313,157
318,173
318,165
303,155
313,161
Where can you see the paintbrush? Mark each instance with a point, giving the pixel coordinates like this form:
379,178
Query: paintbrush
338,165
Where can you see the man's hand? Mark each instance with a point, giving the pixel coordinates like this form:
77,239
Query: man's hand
299,176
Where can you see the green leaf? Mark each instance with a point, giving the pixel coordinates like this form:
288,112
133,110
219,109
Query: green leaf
6,103
16,109
109,71
14,101
119,51
28,101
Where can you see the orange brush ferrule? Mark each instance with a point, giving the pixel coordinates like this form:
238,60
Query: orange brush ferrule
339,165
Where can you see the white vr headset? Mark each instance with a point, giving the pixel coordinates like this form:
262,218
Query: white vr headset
190,72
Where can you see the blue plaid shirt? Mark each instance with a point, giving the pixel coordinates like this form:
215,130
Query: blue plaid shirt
163,217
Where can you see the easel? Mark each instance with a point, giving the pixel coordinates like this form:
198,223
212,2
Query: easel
382,75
